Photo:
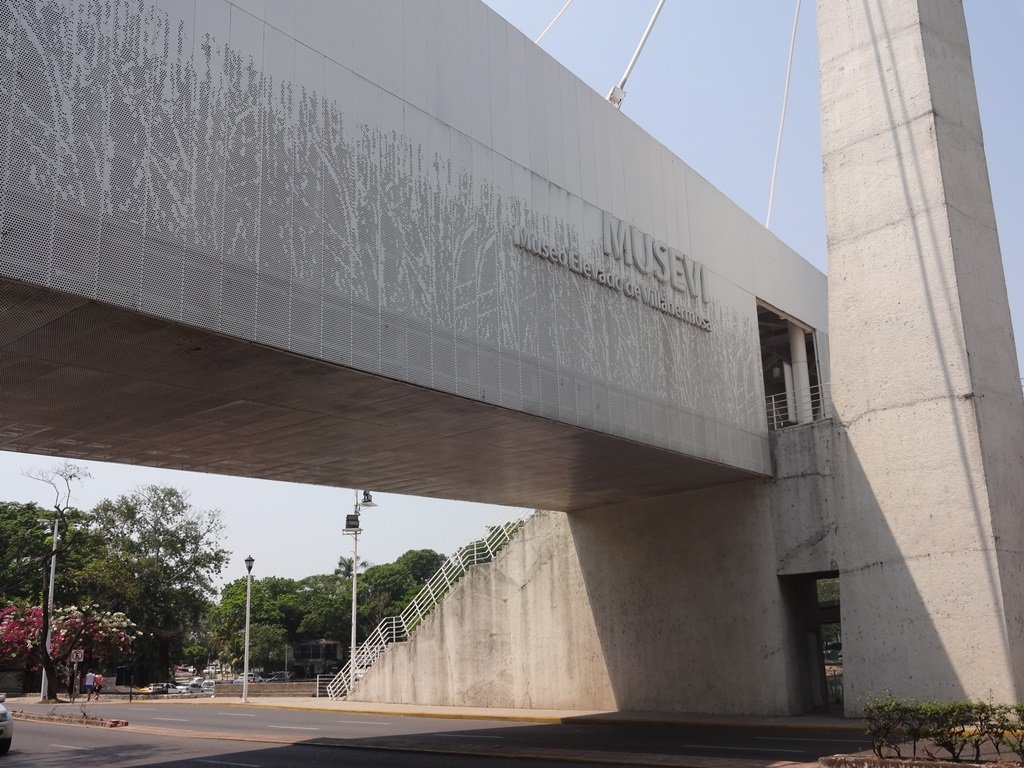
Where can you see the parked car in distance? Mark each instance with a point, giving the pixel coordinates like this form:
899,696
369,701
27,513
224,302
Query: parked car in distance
196,686
253,678
277,677
208,686
6,726
161,688
834,651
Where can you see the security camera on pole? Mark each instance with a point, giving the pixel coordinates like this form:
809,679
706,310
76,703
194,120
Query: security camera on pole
352,529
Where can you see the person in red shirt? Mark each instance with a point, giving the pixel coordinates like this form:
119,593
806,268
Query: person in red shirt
97,685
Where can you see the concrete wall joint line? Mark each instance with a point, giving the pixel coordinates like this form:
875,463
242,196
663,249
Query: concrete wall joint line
894,130
905,558
847,423
802,476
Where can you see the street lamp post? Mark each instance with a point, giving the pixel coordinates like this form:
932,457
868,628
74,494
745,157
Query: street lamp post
49,628
248,600
352,529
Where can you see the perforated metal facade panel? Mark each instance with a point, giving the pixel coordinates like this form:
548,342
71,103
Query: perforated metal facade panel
349,183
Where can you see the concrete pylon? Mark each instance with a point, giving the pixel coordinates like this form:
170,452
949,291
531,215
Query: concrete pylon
925,381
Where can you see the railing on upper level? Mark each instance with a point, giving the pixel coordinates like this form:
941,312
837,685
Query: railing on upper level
395,629
784,410
788,409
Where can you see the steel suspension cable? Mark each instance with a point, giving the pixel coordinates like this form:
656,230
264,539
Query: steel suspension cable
782,118
553,21
618,92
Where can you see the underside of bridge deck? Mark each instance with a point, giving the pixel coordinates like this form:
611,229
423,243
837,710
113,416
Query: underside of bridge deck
87,381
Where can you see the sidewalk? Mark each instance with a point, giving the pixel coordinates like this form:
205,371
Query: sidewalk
823,722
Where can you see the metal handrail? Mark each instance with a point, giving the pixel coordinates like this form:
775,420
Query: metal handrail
788,409
396,629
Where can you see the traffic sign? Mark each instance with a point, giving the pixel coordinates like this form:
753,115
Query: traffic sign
77,655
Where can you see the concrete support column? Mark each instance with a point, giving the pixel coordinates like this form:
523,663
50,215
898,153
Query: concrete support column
801,378
924,375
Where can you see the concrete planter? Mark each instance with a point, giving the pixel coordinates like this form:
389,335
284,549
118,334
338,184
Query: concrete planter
870,761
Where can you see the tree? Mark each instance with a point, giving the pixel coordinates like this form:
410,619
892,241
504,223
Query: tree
25,551
279,602
24,548
326,603
19,634
421,564
60,480
266,643
344,568
103,635
227,618
828,590
281,611
317,607
384,590
160,558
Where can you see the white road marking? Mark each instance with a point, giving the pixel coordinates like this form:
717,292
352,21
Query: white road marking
235,714
738,749
787,738
293,728
467,736
68,746
362,722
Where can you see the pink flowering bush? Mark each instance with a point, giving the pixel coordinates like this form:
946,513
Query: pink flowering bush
104,635
19,635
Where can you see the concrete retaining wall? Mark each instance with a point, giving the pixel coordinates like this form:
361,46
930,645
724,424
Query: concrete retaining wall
516,633
673,605
302,688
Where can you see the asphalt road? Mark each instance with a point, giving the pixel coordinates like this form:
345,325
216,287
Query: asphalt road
171,732
48,745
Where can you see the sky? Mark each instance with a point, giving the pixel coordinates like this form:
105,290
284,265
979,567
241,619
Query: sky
709,86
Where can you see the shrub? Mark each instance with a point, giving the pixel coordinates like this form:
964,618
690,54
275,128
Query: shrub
917,723
950,726
1011,724
886,716
985,727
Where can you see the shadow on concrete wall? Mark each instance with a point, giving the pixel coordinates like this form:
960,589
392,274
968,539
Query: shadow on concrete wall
692,616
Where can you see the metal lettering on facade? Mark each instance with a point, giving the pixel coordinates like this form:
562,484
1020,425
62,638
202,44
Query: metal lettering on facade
638,266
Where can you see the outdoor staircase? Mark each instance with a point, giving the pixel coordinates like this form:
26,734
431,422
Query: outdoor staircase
396,629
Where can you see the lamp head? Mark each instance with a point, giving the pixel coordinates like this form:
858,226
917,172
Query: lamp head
367,500
248,563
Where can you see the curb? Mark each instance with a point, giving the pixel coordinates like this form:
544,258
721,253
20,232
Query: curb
835,725
86,720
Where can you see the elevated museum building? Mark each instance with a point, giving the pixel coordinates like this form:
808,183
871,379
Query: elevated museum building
396,245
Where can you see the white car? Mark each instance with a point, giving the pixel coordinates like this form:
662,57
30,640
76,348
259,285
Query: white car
162,688
6,726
